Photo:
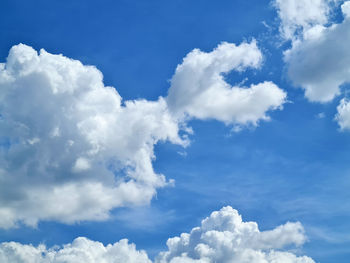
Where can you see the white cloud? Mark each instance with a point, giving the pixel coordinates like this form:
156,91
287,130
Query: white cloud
81,164
80,250
198,88
321,64
300,15
223,237
343,114
319,59
74,150
345,7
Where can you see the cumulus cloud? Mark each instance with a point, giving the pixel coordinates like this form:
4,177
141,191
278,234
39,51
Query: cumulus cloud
71,149
320,63
300,15
199,90
80,250
343,114
222,237
319,59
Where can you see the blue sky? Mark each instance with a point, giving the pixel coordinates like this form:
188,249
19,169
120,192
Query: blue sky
294,167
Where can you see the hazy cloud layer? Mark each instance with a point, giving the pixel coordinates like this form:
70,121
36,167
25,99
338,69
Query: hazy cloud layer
222,237
71,149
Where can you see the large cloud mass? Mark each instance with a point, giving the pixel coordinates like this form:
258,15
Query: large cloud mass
71,149
320,63
222,237
319,59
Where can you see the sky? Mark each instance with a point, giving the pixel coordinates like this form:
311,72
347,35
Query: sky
174,131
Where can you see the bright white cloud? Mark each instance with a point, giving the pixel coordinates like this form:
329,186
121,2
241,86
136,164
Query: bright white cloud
80,250
223,237
343,115
300,15
198,88
72,150
321,64
319,59
346,9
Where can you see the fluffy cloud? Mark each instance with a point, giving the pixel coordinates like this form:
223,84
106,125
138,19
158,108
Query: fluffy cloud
222,237
343,115
71,149
81,250
198,88
319,59
300,15
320,63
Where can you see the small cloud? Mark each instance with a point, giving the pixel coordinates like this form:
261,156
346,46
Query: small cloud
266,25
321,115
183,153
33,140
81,164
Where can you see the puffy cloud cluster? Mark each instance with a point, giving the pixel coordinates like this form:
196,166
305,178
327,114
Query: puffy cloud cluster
320,62
71,149
300,15
319,59
199,90
222,237
315,61
80,250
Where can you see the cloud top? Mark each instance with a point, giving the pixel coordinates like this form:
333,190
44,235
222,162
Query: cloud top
80,250
222,237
